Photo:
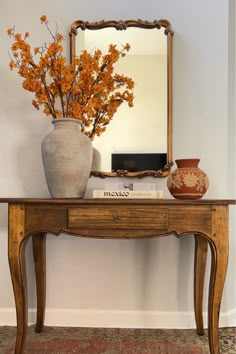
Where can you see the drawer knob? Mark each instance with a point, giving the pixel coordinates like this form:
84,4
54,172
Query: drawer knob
116,217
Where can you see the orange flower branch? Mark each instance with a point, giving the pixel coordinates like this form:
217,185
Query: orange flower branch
88,89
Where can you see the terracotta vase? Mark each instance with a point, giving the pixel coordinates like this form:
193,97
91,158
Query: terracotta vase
67,158
188,181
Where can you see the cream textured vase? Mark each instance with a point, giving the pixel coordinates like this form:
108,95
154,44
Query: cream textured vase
67,158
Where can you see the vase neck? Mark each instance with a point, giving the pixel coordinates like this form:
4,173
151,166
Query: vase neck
70,123
187,163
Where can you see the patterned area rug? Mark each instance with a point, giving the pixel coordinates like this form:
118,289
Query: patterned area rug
60,340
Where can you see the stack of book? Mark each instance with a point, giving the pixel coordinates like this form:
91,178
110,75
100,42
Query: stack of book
129,190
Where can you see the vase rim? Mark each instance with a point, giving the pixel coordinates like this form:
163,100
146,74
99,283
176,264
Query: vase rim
75,120
192,162
188,159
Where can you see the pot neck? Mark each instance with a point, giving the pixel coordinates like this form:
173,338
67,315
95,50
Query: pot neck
69,122
187,163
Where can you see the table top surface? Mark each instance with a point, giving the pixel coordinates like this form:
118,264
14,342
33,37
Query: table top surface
73,201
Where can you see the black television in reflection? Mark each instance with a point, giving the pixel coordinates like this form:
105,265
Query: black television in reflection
138,162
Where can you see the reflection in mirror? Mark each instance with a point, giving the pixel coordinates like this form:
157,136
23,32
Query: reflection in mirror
145,128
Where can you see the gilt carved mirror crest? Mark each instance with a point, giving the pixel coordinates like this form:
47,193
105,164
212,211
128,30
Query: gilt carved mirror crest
146,128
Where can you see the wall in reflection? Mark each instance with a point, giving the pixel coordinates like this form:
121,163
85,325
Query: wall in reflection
142,128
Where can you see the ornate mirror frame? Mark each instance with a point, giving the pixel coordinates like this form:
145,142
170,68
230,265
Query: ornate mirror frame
120,26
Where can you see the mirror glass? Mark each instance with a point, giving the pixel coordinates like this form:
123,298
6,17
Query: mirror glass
146,127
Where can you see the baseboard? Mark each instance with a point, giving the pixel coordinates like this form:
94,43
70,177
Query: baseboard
121,319
228,319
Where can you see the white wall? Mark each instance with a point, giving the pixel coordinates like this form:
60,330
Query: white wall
124,282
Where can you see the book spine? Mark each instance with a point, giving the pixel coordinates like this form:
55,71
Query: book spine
131,186
125,194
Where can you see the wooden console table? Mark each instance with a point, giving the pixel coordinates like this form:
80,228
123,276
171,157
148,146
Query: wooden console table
100,218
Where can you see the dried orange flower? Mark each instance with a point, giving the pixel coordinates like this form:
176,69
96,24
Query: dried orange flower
88,89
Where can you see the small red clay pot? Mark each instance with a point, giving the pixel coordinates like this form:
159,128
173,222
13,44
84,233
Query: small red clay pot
188,181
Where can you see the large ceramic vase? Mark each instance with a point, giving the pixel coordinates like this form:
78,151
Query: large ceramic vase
67,158
187,181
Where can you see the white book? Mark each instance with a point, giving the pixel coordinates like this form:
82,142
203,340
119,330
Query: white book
126,194
132,186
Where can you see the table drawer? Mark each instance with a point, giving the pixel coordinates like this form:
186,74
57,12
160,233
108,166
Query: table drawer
118,218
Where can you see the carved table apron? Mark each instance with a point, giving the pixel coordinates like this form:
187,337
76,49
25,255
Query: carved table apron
207,220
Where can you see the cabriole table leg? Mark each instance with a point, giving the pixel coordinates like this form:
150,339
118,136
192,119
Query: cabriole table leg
219,251
39,253
16,255
200,257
